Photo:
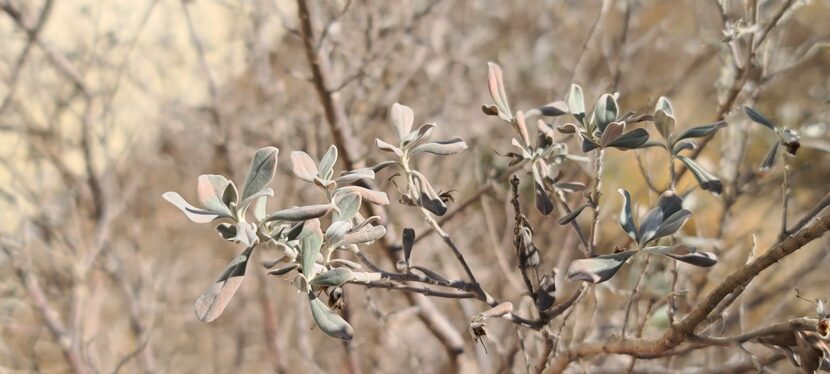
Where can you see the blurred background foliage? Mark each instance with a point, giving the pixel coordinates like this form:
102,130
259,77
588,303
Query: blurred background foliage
115,102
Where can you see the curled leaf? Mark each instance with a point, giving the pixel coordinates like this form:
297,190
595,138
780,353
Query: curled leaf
566,219
626,217
705,180
444,147
211,189
701,131
598,269
194,214
386,147
329,322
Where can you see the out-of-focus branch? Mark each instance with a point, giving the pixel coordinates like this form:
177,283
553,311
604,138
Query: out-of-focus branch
32,32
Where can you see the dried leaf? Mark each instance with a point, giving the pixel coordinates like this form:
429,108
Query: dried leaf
407,243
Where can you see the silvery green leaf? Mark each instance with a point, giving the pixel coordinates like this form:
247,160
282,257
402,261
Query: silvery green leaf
673,223
598,269
687,254
407,242
303,166
211,188
372,196
309,249
759,118
300,213
705,180
402,117
566,219
337,231
605,111
259,208
283,270
352,176
386,147
521,127
769,160
194,214
383,165
626,217
611,133
332,278
329,322
423,132
651,143
264,193
213,301
683,145
348,204
649,225
665,123
443,147
365,235
576,103
701,131
261,172
497,92
630,140
327,162
664,105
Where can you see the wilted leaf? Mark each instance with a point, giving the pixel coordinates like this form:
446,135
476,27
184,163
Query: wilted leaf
598,269
566,219
226,231
706,180
758,118
300,213
605,111
790,140
327,162
576,103
630,140
444,147
194,214
546,293
303,165
261,172
329,322
212,302
701,131
332,278
543,203
626,217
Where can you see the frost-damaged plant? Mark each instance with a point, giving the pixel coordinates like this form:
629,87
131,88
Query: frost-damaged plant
307,237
